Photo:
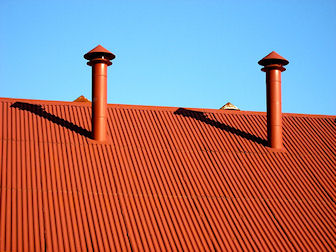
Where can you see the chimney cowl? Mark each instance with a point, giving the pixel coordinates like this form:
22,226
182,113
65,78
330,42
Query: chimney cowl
99,52
273,58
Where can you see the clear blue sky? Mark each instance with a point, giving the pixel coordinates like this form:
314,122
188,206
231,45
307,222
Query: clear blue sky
184,53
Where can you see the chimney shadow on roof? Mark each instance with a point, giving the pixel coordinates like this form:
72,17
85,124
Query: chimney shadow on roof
39,110
200,116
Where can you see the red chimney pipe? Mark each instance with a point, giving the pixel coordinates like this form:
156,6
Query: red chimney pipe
99,58
273,66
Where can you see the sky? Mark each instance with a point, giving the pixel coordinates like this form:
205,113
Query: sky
180,53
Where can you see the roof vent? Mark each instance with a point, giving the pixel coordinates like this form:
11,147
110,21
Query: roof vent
230,106
273,66
82,98
99,59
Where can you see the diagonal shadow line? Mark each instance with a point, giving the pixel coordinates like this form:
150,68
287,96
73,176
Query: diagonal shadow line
39,110
200,116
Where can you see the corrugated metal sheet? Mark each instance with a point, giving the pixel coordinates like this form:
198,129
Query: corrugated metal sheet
169,179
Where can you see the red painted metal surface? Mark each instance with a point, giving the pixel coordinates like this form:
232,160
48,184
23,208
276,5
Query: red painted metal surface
99,51
273,66
273,58
99,60
170,179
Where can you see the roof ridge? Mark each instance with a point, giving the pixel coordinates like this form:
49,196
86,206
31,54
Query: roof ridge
155,107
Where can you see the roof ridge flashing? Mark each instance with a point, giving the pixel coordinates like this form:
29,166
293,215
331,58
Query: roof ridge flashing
156,108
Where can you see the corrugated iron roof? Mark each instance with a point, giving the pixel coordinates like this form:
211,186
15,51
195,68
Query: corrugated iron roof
168,179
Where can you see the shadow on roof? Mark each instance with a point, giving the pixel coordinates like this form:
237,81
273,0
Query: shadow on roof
200,116
39,110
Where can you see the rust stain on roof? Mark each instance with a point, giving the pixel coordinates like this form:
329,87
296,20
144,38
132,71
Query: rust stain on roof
170,179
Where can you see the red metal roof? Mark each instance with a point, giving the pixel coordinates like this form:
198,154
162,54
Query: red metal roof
169,179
